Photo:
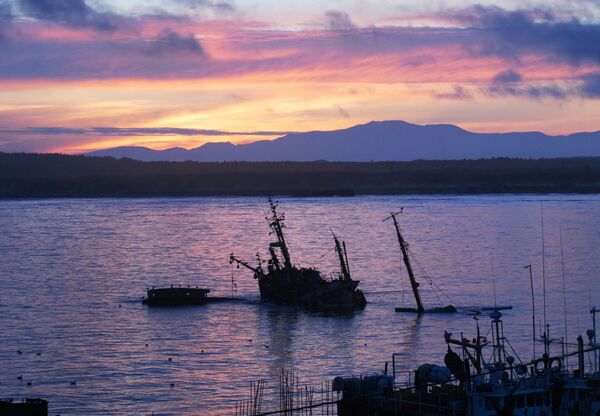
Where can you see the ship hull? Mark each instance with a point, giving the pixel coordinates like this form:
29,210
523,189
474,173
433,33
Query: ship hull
307,288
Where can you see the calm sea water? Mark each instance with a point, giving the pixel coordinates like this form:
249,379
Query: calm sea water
73,271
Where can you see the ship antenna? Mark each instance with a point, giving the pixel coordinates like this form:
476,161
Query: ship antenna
493,279
562,260
532,306
543,262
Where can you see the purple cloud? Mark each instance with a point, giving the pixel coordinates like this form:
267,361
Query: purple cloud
70,13
339,21
510,34
459,93
170,42
591,86
511,83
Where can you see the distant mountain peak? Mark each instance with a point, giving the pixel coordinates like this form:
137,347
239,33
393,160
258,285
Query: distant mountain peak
387,140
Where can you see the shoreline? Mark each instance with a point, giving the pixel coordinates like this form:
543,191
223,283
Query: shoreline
25,176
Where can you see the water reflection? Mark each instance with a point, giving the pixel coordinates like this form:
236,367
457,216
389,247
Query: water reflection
68,264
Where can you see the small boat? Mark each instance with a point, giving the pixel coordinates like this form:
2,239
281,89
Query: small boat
411,276
176,295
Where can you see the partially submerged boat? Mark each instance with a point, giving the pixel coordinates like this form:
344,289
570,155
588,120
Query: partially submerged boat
286,283
25,407
176,295
469,385
411,276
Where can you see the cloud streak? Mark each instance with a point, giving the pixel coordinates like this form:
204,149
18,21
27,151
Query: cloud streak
510,34
71,13
169,42
484,39
133,132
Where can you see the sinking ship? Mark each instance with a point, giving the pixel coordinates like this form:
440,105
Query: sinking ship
285,283
414,284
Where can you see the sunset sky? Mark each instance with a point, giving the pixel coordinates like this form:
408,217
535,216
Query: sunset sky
80,75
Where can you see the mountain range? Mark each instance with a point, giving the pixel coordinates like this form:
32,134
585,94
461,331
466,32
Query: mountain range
379,141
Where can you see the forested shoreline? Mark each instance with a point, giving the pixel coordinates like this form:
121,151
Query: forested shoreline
26,175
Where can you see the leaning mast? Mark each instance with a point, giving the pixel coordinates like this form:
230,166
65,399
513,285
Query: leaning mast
276,224
404,248
343,256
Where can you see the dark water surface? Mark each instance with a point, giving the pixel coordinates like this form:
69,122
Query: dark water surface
72,272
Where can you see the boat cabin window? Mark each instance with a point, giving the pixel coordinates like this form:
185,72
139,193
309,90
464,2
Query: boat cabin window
530,400
520,401
491,403
582,394
539,399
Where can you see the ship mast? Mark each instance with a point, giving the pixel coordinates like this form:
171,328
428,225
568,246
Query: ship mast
404,248
276,224
343,256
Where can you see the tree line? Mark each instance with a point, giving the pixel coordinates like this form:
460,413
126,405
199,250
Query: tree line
55,175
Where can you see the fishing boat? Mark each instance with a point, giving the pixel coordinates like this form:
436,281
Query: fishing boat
469,385
285,283
411,276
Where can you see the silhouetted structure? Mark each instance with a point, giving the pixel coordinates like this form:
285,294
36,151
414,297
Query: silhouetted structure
173,296
411,276
287,284
27,407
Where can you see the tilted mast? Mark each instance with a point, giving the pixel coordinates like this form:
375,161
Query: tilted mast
343,256
404,248
276,224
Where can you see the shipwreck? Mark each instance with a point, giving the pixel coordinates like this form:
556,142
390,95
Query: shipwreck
285,283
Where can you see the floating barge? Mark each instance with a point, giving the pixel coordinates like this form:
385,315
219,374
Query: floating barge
285,283
26,407
176,295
